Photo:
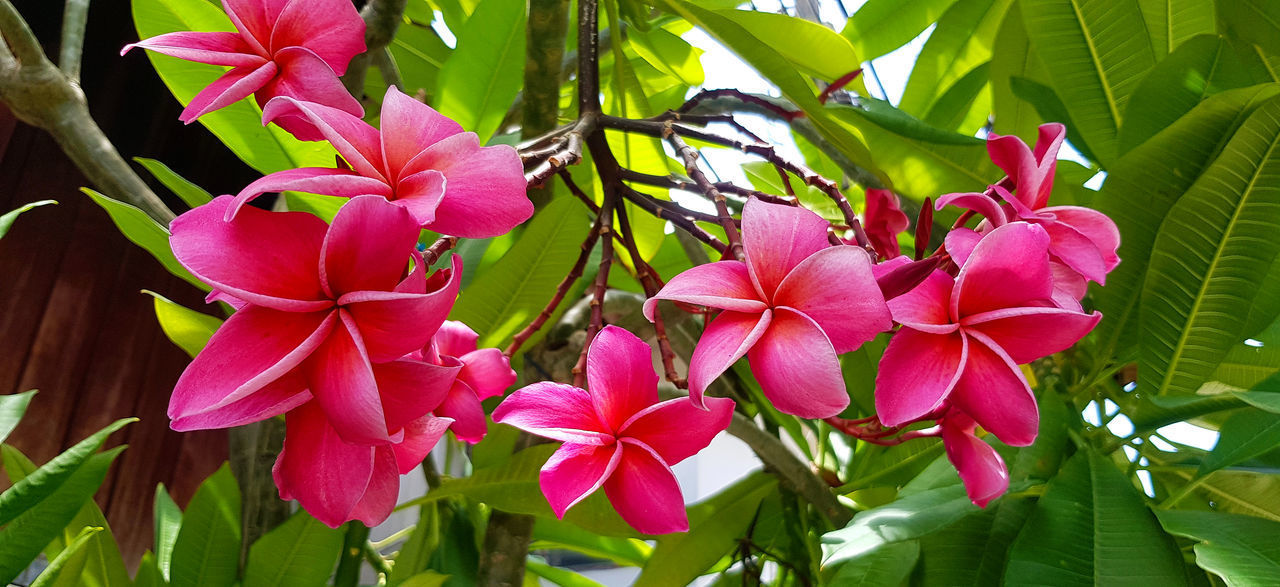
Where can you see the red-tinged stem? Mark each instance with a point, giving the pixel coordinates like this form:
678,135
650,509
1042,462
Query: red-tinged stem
674,183
837,85
743,97
651,283
606,166
438,249
561,291
690,157
684,223
924,227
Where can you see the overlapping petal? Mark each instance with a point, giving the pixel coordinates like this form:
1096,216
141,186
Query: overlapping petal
231,87
484,192
410,389
556,411
326,475
994,392
368,247
724,284
725,340
575,471
917,372
342,381
884,220
359,144
645,492
1032,173
314,180
455,339
620,376
981,469
420,436
924,308
836,289
462,405
1026,334
379,498
410,126
218,48
487,371
1008,268
797,367
677,429
394,324
332,29
776,238
305,76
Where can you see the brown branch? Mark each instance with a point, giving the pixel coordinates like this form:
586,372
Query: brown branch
649,281
684,223
690,157
675,183
562,290
604,224
438,249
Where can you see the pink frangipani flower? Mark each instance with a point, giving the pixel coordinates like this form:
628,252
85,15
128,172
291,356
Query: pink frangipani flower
962,340
484,373
981,469
295,48
337,481
617,435
324,308
1081,239
884,220
422,161
791,308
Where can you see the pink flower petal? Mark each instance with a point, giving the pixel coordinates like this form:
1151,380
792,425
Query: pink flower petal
313,180
1095,226
620,376
645,492
326,475
575,471
271,400
1008,268
884,221
723,284
232,87
462,405
380,494
917,372
342,381
556,411
724,341
488,372
1027,334
410,389
677,429
264,258
981,469
251,20
357,142
421,194
213,48
455,339
420,436
253,348
983,204
994,392
836,289
884,268
924,308
776,238
1032,172
394,324
332,29
484,186
1069,287
1076,251
304,76
367,247
960,243
805,383
411,127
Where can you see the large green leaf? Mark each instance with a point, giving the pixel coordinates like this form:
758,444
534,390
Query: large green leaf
1096,52
208,548
880,26
557,575
168,522
810,47
187,328
1233,491
22,539
1012,56
1213,250
1172,22
1243,550
65,569
553,533
962,41
47,480
1144,184
297,553
886,566
141,230
7,219
668,53
419,53
239,125
190,193
12,407
481,78
508,295
1245,434
1202,66
1091,527
715,526
1255,21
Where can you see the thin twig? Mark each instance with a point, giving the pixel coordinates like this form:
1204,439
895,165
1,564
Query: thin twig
604,224
649,281
682,222
690,157
562,290
75,15
675,183
438,249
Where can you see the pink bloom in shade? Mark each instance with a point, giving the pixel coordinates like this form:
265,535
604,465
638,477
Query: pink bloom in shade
295,48
422,161
884,220
618,435
962,340
322,307
336,481
791,308
1081,239
981,469
484,373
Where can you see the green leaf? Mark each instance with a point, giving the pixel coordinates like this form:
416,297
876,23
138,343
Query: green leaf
553,533
886,566
1092,527
669,53
1096,52
1141,188
1263,400
966,106
480,80
558,576
1254,21
168,522
1232,491
1213,249
30,529
1243,550
810,47
141,230
962,41
1246,434
12,407
715,525
419,53
1172,22
6,220
880,26
508,295
1049,106
425,579
1201,67
1012,56
898,121
148,574
45,481
207,551
300,552
190,193
238,126
187,328
70,561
